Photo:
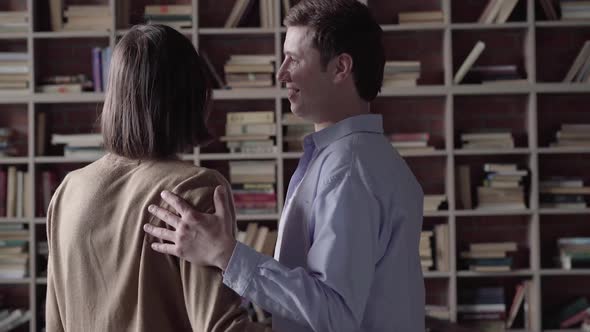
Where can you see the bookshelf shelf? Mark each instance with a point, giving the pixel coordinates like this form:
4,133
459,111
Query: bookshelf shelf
563,211
71,34
435,105
561,272
236,31
486,212
13,160
413,27
254,217
21,281
514,273
477,152
480,26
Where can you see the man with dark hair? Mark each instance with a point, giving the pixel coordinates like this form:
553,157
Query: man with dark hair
347,255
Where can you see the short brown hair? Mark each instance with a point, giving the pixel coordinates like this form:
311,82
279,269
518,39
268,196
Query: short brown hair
345,26
157,95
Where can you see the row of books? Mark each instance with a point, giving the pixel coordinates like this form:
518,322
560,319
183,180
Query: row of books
253,186
574,252
401,73
174,16
14,255
250,71
563,193
15,185
434,248
14,71
579,71
489,256
14,21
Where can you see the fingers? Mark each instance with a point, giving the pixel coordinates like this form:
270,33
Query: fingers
221,203
159,232
164,215
179,204
166,248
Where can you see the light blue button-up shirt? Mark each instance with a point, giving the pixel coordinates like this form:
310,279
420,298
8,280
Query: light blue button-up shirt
360,268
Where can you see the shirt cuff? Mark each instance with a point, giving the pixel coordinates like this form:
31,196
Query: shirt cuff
243,263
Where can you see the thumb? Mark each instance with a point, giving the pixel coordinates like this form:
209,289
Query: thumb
220,199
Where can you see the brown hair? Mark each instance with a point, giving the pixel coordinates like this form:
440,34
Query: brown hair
345,26
157,95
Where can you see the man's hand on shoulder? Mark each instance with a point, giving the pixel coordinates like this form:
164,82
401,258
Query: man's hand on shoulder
200,238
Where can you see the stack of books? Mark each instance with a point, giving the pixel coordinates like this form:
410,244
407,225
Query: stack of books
6,148
497,11
10,319
88,17
65,84
563,193
575,10
253,185
441,312
14,71
406,143
487,139
574,252
296,129
489,256
13,253
579,71
401,73
573,135
174,16
15,200
502,188
426,257
260,238
421,17
14,21
250,71
571,316
497,74
433,202
250,132
482,309
80,145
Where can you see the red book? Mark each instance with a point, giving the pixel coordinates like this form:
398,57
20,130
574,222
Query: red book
575,319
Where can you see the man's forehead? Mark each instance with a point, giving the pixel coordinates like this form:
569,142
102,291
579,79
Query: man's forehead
297,37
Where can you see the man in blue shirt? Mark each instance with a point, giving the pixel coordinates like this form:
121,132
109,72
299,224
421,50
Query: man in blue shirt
347,256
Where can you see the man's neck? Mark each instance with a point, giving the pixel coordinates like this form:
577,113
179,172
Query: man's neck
344,113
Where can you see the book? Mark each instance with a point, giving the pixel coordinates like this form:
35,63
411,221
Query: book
505,10
469,61
582,56
490,12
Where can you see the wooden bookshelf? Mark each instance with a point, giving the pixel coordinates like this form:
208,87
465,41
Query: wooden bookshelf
533,110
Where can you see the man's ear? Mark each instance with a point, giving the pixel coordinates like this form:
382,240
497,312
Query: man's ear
342,67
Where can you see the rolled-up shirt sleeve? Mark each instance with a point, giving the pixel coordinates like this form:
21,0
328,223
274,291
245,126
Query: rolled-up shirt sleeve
331,294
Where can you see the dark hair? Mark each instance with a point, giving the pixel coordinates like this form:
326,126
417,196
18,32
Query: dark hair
157,95
345,26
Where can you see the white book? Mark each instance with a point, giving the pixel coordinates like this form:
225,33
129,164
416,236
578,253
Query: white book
490,12
14,56
578,62
505,10
469,61
77,140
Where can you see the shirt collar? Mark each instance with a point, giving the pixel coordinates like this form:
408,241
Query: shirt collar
372,123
